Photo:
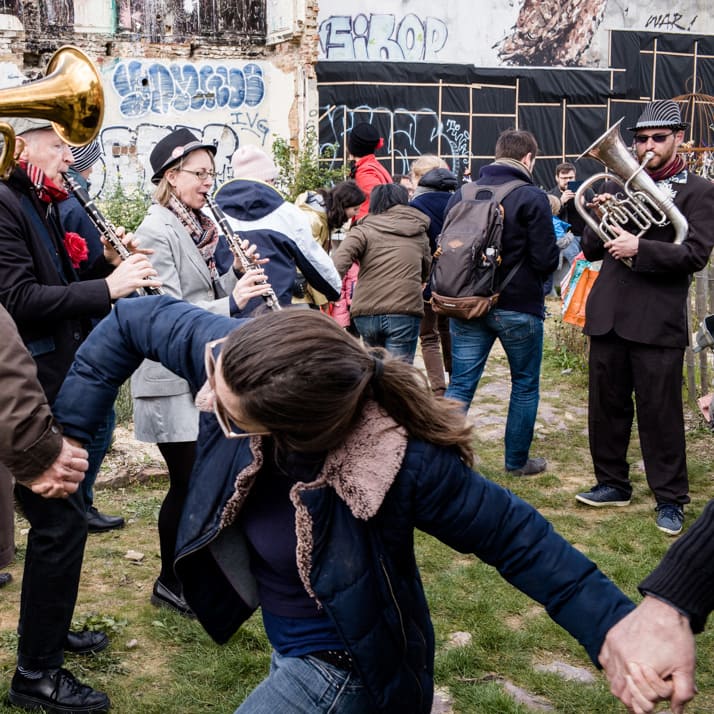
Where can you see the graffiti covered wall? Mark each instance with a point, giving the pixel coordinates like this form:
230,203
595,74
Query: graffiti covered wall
520,33
222,68
228,103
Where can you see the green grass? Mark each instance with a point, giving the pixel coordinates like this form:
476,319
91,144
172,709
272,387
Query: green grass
160,662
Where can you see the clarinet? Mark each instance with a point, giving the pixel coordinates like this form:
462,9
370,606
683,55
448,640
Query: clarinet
104,227
234,243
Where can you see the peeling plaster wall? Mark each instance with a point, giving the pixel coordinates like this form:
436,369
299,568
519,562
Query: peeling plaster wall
234,71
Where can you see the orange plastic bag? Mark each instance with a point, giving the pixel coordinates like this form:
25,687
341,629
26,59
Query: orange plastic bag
574,312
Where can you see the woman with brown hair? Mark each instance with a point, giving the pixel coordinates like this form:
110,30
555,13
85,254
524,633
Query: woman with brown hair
305,496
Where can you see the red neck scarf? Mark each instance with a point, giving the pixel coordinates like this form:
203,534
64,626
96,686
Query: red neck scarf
674,167
47,191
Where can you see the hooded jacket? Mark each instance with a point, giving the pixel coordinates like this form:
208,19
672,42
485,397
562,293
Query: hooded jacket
355,523
282,233
392,250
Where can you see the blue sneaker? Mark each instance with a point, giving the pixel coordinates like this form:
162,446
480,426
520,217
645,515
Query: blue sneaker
670,518
602,495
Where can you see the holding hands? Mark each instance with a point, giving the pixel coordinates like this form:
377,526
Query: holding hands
649,656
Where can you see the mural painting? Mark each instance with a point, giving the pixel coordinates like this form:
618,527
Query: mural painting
527,33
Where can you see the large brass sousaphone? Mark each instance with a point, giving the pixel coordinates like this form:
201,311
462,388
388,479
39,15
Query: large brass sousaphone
70,96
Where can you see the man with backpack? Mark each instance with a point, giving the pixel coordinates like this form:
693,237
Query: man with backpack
528,255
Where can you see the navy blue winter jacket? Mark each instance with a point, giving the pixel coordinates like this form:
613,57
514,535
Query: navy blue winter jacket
355,523
527,235
282,233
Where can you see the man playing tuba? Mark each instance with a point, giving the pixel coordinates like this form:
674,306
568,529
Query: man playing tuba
637,321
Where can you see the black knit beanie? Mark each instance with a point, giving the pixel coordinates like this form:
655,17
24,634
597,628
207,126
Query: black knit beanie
363,139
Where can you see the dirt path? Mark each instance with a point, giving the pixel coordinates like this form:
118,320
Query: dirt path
132,460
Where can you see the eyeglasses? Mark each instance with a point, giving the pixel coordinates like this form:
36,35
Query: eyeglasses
201,175
657,138
221,413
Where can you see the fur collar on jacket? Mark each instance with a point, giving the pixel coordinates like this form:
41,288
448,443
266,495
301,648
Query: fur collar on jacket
357,477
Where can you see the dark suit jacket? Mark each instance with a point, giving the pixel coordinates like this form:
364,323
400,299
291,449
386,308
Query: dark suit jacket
39,287
648,303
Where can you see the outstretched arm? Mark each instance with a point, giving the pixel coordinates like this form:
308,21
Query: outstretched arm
159,328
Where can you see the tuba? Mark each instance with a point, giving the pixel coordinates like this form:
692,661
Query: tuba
641,204
70,96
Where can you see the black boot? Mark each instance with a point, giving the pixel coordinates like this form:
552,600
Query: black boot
57,692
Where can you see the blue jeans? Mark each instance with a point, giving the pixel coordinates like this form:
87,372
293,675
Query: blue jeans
97,449
521,335
398,334
306,685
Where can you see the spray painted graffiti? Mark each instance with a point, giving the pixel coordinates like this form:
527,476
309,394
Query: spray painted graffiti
415,132
670,21
125,153
162,89
381,37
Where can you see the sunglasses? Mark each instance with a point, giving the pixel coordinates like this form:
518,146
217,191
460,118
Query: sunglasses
222,415
657,138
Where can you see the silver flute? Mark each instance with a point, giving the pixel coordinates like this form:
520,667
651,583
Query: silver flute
234,243
104,226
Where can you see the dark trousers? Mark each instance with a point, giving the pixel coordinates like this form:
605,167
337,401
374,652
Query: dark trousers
617,368
7,518
179,458
53,564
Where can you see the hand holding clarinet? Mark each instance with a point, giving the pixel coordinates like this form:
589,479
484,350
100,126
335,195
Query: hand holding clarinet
133,271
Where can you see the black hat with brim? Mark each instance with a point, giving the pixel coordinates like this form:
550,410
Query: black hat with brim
172,148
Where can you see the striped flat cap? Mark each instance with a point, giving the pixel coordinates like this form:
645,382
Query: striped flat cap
661,113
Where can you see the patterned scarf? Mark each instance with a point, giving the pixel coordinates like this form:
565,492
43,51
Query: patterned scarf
201,229
46,190
671,169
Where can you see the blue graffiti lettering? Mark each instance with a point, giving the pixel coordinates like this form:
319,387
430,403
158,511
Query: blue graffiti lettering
381,37
158,88
252,123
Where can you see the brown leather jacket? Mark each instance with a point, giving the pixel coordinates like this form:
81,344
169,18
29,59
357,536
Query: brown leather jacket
30,439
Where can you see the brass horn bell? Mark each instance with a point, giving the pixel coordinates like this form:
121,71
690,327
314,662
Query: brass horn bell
70,96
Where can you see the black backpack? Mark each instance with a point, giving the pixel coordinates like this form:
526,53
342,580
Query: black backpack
464,277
